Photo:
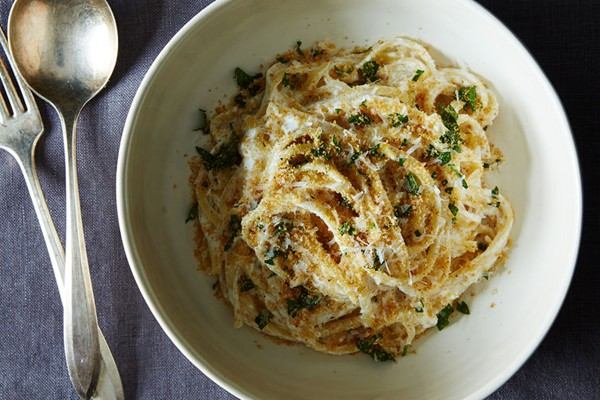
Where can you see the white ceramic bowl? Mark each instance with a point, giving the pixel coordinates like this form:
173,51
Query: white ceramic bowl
472,357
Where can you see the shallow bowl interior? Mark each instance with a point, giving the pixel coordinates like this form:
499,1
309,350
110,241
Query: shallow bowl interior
508,318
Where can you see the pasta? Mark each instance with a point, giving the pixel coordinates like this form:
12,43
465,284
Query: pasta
342,200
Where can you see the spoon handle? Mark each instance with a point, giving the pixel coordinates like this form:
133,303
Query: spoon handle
80,322
109,384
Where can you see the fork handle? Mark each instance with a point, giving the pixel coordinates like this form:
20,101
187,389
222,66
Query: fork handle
109,384
80,322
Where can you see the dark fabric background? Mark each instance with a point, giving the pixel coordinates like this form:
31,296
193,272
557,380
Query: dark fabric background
562,35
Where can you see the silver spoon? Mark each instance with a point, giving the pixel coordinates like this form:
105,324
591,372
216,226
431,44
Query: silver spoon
66,51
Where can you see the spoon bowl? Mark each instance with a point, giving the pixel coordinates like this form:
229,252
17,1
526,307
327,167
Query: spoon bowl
72,51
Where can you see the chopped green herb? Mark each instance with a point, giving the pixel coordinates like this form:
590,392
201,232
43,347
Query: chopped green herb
260,226
401,161
263,319
397,119
355,156
304,300
449,117
453,209
286,79
344,201
420,307
246,284
413,185
283,227
272,254
482,246
374,151
486,165
369,70
454,169
227,156
369,347
443,316
298,49
254,89
445,157
445,182
433,175
240,100
203,124
452,139
347,228
463,308
403,210
192,213
235,226
360,119
432,152
417,75
404,142
405,350
495,191
486,276
418,233
465,184
338,110
322,150
336,143
244,80
315,52
468,95
449,190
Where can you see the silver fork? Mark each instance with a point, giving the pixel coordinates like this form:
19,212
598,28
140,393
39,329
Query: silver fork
20,128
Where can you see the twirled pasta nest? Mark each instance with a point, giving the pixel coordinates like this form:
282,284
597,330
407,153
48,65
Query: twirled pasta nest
342,200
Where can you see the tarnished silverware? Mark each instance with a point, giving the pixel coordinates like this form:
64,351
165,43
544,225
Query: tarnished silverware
66,51
20,128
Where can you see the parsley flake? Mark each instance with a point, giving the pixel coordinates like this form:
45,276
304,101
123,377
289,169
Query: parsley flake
443,317
246,284
417,75
413,185
397,119
360,119
468,95
227,156
463,308
453,209
263,319
203,124
371,348
403,210
304,300
235,226
347,228
369,70
192,213
244,80
272,254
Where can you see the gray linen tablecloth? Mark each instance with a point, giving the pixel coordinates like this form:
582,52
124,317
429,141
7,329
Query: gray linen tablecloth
563,36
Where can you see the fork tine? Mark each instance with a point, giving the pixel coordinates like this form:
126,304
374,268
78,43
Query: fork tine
28,98
9,88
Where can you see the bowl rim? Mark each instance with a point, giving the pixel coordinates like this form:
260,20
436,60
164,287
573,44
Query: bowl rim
204,365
